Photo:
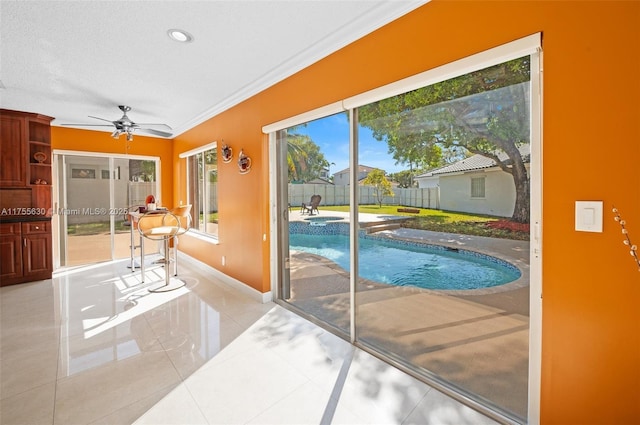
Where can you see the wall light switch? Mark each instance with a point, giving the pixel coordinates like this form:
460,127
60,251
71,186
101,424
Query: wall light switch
589,216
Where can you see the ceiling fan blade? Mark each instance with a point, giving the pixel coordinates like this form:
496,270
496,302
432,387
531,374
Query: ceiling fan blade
155,132
101,119
145,124
88,125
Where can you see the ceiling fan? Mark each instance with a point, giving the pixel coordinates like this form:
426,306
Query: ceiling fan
125,126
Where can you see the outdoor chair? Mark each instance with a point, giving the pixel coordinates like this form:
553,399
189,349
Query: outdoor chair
313,205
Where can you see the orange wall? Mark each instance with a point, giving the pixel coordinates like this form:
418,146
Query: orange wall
242,198
591,144
97,141
591,151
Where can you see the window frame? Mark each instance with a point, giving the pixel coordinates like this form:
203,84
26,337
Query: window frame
199,206
478,179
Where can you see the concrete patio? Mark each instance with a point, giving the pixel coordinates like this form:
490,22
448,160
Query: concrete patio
478,340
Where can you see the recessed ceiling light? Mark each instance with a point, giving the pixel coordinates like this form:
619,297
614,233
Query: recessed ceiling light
180,35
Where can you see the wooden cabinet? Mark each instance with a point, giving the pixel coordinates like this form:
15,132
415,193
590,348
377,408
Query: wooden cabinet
10,252
26,252
36,250
25,197
13,160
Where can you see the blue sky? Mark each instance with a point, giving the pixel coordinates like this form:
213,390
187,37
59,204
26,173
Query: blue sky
332,135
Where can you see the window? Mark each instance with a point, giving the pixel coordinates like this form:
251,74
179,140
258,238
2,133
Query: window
477,187
202,189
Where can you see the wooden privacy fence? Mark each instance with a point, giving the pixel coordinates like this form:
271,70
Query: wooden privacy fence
339,195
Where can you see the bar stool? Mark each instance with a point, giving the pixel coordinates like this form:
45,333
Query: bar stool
183,213
162,226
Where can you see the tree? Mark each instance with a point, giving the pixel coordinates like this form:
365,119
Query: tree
484,112
142,170
404,178
381,186
305,161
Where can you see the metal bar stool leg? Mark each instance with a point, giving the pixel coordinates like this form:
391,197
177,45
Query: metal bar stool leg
183,214
162,227
175,256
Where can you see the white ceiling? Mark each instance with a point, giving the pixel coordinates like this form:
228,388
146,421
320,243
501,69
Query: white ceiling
71,59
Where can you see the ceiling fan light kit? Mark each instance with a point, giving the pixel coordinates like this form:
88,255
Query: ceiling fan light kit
124,125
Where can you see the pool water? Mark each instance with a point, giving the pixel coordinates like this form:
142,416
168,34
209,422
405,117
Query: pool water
402,264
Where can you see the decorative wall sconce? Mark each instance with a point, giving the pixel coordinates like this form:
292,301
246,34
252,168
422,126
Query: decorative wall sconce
244,163
226,152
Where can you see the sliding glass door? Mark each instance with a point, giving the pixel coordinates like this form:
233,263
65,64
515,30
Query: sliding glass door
419,250
454,305
315,240
94,194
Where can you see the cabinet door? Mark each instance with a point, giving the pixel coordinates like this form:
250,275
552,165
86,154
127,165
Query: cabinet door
13,169
10,256
37,255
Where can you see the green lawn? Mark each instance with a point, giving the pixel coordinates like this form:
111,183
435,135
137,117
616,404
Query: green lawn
450,222
95,228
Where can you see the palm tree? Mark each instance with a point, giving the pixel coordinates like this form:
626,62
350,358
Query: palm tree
297,157
305,161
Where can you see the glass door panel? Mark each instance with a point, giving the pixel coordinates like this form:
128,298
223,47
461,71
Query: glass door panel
451,306
133,181
121,222
315,242
86,210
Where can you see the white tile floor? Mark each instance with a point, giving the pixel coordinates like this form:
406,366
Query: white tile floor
93,346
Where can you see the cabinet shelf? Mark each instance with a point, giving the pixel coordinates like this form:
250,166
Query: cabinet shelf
39,131
39,173
39,153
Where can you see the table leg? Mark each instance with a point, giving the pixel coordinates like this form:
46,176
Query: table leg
142,257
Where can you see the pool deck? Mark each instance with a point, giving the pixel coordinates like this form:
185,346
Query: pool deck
476,339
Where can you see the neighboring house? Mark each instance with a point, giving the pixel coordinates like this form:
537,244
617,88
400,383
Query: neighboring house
341,178
475,185
324,174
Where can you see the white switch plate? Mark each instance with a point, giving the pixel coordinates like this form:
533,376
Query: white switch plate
589,216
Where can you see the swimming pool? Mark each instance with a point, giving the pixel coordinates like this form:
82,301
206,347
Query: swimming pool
404,263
